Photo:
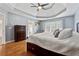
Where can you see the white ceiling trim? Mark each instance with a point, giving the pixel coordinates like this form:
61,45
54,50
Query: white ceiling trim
25,14
48,14
52,15
42,16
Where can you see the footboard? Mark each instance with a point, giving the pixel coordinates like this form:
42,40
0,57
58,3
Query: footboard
37,50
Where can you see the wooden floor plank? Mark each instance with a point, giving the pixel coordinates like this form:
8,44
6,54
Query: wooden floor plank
15,49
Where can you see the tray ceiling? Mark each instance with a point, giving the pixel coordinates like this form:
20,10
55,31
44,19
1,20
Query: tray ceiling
57,9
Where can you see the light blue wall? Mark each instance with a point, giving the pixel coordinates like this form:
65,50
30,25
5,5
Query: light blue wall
68,22
13,19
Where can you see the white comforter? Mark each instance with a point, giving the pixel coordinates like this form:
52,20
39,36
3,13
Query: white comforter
69,46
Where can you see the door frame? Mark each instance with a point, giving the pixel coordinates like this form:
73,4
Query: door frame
3,32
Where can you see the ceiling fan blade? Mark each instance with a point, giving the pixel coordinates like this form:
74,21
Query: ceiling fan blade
33,4
48,7
38,4
44,4
44,8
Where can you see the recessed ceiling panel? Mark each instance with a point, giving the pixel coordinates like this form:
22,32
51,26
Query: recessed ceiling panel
55,10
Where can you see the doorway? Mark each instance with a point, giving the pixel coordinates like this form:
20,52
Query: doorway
1,29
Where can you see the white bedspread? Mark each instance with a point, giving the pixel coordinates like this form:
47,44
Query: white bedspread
69,46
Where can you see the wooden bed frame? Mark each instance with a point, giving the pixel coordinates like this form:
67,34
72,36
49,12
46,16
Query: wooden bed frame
38,51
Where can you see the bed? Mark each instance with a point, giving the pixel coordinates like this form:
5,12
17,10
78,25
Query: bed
46,40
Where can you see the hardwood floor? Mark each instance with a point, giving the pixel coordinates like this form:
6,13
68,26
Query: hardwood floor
15,49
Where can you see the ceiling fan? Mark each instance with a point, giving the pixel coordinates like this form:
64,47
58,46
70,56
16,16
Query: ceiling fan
40,6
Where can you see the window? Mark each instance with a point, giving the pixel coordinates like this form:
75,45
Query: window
51,26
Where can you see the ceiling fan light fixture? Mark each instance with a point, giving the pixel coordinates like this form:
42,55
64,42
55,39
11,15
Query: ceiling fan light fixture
39,7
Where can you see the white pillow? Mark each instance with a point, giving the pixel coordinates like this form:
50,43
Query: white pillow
66,33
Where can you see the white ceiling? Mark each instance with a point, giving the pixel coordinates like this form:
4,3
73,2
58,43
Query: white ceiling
57,8
43,14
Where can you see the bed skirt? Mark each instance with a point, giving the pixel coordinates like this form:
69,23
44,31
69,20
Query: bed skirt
39,51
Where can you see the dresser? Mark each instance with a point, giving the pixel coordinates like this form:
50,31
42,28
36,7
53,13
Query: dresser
19,32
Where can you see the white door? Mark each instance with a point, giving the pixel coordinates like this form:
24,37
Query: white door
1,29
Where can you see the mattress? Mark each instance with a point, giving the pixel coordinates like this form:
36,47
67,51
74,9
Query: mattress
69,46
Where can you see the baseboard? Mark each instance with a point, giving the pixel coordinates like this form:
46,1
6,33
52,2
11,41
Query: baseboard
10,41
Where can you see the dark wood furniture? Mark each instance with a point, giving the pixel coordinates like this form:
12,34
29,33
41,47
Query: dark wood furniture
37,50
77,27
19,32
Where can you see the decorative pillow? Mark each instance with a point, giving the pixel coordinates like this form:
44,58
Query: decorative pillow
66,33
56,32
